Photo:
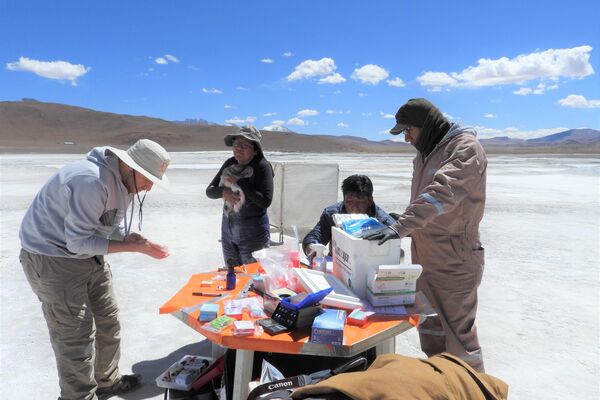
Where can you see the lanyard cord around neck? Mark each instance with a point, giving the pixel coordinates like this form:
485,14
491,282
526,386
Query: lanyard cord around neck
140,202
140,212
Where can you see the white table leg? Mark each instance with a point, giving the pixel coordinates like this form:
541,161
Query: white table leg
387,346
244,360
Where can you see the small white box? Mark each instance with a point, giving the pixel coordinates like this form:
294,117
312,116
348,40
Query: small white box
354,257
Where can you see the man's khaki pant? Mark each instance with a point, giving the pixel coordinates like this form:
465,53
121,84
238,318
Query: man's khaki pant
82,316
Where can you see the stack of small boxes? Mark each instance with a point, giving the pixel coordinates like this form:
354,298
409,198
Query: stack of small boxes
389,285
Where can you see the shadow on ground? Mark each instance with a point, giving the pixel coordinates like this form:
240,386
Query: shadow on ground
150,369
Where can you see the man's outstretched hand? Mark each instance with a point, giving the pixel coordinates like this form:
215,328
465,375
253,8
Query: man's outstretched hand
382,234
146,246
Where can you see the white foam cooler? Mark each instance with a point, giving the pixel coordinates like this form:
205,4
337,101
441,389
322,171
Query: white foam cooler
354,257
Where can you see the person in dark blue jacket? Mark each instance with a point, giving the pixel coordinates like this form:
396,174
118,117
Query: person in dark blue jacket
245,183
358,199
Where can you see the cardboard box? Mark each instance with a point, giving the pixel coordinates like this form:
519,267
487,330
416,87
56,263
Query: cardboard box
394,278
354,257
395,271
328,327
390,298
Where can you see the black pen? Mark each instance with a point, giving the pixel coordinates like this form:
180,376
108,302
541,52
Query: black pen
206,294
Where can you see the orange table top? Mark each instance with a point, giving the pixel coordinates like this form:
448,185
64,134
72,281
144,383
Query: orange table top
186,306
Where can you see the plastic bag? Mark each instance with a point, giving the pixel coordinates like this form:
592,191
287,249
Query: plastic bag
278,267
357,227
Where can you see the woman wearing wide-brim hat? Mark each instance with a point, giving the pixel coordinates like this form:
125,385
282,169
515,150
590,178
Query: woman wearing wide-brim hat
245,183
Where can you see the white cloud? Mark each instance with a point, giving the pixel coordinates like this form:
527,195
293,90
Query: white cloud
524,91
334,112
59,70
386,116
308,113
269,114
235,121
332,79
486,133
166,59
448,116
436,80
296,121
275,128
549,64
392,138
540,89
238,121
578,101
287,54
396,82
435,89
370,74
311,68
240,88
361,94
490,115
212,91
342,125
227,106
267,61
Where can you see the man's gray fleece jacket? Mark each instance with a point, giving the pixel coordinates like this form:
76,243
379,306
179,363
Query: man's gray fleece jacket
78,210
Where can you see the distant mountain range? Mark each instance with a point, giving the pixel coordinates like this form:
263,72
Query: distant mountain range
33,126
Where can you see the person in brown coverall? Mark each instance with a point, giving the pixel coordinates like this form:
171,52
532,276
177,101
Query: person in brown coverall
446,205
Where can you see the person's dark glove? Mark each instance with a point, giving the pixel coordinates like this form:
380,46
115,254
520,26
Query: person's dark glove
382,234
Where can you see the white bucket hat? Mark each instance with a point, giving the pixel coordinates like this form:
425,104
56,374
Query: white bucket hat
148,158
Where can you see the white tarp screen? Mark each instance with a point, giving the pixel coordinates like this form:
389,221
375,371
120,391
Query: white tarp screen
300,193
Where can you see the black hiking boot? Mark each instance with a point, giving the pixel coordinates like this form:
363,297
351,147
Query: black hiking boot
126,383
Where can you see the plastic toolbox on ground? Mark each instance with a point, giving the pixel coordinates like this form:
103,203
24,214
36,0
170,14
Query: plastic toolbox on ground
183,373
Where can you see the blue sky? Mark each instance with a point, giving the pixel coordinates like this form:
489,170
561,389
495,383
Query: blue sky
511,68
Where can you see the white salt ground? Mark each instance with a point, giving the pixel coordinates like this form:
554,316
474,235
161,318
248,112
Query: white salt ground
539,301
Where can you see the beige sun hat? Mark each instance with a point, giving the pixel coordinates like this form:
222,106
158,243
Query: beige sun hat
148,158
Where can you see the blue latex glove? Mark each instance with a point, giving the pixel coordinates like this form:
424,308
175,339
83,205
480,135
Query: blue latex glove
382,234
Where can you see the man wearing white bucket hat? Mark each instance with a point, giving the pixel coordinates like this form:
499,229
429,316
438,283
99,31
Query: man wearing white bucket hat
79,216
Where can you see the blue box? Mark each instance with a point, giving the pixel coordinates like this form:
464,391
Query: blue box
328,327
208,312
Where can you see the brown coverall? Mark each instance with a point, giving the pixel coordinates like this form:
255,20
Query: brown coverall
447,204
396,377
